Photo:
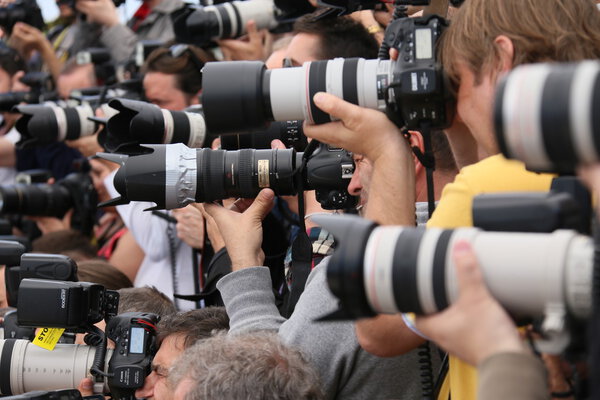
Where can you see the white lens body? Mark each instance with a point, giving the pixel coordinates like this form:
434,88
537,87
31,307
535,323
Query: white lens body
524,107
34,368
528,273
262,12
291,96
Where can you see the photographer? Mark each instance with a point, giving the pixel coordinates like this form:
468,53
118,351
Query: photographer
511,33
246,291
243,367
151,21
176,334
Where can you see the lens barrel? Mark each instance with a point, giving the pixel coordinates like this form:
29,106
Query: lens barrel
202,25
46,124
173,176
243,95
290,133
400,269
26,367
37,199
138,122
546,115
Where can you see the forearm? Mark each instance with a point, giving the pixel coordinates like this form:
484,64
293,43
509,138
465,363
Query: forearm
8,156
392,193
120,40
249,300
52,62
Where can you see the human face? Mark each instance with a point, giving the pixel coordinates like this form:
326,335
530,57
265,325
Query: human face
474,106
83,76
361,179
301,48
183,388
156,385
161,89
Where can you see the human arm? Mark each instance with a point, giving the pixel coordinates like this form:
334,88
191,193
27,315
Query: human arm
26,38
391,197
190,225
8,156
127,256
371,133
118,38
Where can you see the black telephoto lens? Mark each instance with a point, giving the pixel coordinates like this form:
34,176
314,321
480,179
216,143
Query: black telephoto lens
173,176
46,124
290,133
138,122
39,199
10,99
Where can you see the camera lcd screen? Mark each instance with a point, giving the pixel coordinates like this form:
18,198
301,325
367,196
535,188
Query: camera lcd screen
136,344
423,42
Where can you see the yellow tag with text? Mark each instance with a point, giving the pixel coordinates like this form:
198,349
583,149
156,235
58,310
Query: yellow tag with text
47,338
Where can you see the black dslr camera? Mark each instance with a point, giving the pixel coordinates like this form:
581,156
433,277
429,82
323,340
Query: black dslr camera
76,191
76,306
21,11
243,95
40,84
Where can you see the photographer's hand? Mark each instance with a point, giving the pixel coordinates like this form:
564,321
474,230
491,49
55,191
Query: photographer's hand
359,130
372,134
190,225
476,326
241,228
102,12
256,46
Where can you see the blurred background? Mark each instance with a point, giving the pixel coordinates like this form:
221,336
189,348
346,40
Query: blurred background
50,10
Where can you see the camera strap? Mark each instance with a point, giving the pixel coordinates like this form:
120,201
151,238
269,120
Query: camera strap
301,246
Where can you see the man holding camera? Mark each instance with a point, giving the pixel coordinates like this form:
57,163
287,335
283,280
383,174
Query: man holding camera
509,33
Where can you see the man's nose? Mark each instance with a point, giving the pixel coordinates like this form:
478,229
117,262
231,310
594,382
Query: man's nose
147,391
354,187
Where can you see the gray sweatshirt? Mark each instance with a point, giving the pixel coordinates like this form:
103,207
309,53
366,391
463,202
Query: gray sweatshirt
347,371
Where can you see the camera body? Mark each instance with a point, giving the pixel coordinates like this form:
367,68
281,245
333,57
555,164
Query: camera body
76,191
40,84
134,335
417,93
244,96
21,11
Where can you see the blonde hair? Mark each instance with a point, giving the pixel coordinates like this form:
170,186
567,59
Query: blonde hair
540,30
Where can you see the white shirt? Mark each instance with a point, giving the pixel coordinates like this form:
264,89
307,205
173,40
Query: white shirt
150,232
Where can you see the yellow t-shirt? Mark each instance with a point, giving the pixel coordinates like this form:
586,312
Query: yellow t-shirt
493,174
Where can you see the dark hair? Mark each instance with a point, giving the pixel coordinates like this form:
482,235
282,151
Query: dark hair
194,325
103,273
68,242
187,75
145,299
10,60
339,37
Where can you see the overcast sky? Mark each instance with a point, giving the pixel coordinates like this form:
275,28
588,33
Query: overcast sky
50,10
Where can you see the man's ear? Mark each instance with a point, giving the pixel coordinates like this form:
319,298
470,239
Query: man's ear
415,139
506,50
